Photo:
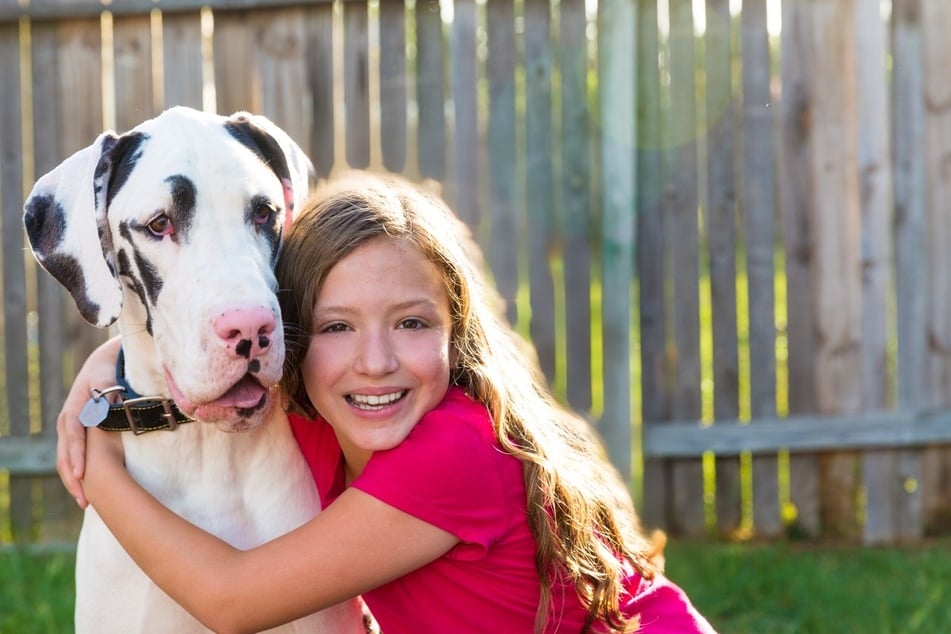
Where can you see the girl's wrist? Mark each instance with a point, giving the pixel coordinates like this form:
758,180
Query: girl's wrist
105,458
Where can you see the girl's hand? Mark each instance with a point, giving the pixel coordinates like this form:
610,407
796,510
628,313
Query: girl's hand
99,371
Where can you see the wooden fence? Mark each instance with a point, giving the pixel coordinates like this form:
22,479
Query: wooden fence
727,234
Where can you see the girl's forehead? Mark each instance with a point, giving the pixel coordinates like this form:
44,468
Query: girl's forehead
384,263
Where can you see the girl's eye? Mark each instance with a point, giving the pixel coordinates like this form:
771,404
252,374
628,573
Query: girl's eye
263,213
161,226
338,327
411,324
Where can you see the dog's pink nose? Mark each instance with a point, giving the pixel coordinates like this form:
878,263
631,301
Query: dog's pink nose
247,332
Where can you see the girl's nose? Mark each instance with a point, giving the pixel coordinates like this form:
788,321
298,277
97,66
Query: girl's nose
376,355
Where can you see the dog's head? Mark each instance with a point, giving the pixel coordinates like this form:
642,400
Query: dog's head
173,229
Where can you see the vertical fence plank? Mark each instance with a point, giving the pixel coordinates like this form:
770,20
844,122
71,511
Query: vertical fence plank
936,475
616,46
182,59
430,91
795,196
356,83
14,271
683,244
650,256
503,248
759,211
720,223
280,50
132,70
393,84
237,81
837,226
465,184
655,388
878,467
320,84
540,201
576,197
911,285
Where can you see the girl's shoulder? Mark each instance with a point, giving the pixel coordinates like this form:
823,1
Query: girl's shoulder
458,417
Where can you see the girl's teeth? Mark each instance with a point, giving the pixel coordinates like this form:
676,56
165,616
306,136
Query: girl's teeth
374,400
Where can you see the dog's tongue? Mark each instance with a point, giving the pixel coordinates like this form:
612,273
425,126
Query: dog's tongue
245,393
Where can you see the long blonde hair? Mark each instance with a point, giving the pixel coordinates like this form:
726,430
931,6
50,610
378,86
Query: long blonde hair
579,510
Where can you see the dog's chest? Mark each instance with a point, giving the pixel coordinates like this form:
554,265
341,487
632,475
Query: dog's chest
246,488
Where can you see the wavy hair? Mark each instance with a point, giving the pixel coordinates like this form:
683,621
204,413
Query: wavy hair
579,510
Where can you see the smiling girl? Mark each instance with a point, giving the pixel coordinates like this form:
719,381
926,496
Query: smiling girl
458,495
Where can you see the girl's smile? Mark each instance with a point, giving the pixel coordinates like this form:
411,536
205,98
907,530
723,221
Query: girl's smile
380,354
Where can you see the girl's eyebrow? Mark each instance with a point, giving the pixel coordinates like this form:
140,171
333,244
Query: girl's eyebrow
408,304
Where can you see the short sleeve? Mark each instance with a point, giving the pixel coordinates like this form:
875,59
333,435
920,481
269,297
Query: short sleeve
321,450
663,607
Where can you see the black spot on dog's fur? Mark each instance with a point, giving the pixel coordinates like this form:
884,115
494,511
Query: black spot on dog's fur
261,143
69,272
119,161
102,168
182,212
150,276
45,222
270,231
134,284
148,279
119,157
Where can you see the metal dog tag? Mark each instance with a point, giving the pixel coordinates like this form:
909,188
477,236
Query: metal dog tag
94,411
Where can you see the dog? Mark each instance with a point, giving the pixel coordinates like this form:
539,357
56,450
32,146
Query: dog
171,230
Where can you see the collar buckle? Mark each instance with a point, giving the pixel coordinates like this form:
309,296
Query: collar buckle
167,413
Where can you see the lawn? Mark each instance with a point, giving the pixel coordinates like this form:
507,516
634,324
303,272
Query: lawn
742,588
786,588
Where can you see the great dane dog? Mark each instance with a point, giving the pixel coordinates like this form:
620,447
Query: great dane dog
172,231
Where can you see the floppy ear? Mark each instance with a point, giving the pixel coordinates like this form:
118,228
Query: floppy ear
279,152
65,220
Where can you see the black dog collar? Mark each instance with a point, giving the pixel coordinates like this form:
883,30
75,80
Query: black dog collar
135,413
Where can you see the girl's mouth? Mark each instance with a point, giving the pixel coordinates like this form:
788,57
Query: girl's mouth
374,401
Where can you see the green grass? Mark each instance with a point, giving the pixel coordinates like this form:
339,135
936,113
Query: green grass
741,588
36,592
810,589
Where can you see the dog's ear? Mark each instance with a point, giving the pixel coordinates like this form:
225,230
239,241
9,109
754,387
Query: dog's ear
279,152
64,216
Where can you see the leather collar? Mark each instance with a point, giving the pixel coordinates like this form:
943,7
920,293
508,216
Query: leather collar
139,414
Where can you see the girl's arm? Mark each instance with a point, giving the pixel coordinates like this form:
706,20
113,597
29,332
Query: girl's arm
358,543
99,371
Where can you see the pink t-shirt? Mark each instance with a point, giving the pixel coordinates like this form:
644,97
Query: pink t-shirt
450,472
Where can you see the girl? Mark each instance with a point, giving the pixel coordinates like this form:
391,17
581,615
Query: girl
459,496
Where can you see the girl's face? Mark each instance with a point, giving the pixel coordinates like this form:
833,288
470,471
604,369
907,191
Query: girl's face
380,354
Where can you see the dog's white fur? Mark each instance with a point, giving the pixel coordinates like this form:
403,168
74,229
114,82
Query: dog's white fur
243,478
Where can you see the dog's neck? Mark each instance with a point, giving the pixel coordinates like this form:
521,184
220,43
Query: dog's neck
143,371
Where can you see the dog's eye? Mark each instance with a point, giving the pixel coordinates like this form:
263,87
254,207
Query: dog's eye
263,213
161,226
